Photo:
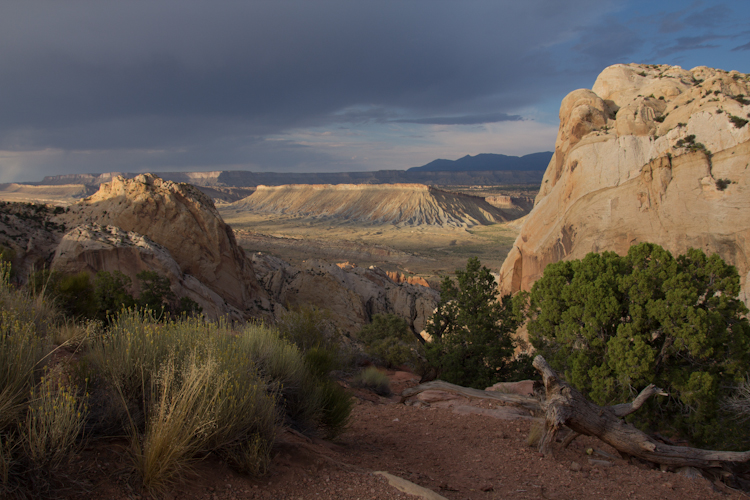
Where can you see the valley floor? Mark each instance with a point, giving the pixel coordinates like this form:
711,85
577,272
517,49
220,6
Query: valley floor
426,251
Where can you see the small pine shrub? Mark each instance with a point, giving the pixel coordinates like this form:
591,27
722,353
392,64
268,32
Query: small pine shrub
389,339
737,121
722,184
309,327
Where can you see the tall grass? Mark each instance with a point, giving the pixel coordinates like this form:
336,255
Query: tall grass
180,388
22,349
53,423
180,420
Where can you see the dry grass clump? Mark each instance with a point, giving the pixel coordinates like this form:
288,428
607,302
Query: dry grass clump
179,388
375,380
535,433
54,422
41,419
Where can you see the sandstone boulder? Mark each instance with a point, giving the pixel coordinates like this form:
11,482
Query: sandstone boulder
669,165
185,221
93,248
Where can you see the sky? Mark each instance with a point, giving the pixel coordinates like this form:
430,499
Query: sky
90,86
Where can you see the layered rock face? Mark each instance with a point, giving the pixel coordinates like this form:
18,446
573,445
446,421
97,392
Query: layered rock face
182,220
352,294
94,248
405,204
650,154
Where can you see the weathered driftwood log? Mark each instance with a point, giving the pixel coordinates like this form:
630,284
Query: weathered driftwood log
526,402
564,405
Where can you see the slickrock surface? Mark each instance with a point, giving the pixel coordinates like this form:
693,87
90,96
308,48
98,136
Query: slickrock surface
405,204
183,220
651,153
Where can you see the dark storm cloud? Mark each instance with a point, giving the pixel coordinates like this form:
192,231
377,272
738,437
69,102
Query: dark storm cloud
690,43
607,42
464,120
710,17
106,75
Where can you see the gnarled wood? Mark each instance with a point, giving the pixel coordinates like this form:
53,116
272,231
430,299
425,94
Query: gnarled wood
564,405
526,402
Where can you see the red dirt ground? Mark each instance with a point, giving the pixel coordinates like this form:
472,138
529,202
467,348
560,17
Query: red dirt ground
469,456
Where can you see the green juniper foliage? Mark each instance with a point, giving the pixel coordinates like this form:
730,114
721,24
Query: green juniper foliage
612,325
390,339
471,331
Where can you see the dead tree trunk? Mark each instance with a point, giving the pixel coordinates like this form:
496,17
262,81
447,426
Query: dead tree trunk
564,405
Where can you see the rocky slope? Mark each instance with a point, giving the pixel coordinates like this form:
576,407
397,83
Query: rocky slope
404,204
185,222
651,153
94,248
352,294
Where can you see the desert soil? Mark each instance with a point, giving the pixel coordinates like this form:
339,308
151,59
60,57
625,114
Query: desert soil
462,455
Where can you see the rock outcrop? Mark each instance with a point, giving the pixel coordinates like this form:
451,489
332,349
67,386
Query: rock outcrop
352,294
94,248
185,222
403,204
651,153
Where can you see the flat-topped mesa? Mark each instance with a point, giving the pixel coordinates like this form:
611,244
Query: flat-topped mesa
652,153
405,204
185,221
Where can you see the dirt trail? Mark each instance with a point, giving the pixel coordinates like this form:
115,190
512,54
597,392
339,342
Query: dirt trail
458,456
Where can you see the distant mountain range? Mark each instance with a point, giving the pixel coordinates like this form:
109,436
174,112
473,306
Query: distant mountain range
489,163
484,169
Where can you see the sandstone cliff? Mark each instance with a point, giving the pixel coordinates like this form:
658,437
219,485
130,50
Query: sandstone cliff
651,153
404,204
94,248
185,222
352,294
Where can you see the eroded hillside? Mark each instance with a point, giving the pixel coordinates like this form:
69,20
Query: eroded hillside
401,204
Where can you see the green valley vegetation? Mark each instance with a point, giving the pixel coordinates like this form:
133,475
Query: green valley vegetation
177,387
612,325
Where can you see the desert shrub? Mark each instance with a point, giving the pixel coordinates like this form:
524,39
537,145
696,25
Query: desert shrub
156,294
373,379
180,421
336,407
614,324
471,331
389,339
6,254
53,424
72,294
737,121
74,334
111,294
721,184
23,349
308,327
